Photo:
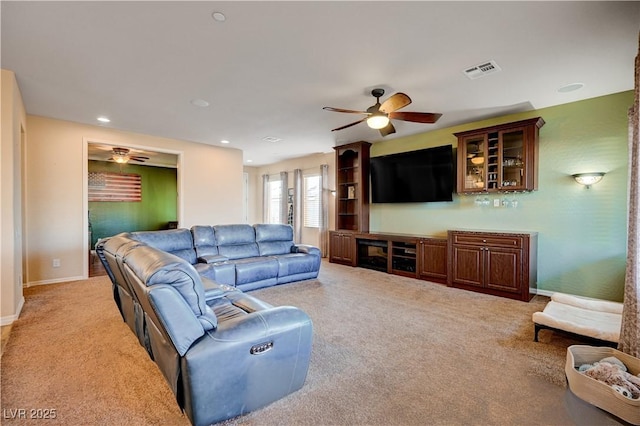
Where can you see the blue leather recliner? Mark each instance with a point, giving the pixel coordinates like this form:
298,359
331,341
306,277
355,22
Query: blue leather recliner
222,352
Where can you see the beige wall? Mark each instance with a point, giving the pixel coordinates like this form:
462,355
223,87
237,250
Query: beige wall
12,137
209,179
254,196
311,164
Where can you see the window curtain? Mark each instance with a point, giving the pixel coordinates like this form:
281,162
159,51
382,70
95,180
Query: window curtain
265,198
297,206
324,210
630,330
284,178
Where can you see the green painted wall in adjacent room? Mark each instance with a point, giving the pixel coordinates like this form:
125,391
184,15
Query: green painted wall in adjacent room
157,208
582,233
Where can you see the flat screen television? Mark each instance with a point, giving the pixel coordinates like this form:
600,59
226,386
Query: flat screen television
425,175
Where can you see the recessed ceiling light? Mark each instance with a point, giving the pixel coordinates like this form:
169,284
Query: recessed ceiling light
200,103
219,16
103,119
249,161
571,87
224,141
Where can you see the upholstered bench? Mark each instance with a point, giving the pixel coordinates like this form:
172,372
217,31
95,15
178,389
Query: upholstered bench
592,318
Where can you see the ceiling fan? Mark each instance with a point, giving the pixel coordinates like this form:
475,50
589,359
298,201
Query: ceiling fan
378,116
121,155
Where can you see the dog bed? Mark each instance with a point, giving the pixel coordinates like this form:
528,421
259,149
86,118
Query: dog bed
582,316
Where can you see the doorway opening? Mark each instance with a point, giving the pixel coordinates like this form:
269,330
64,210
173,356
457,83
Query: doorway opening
128,188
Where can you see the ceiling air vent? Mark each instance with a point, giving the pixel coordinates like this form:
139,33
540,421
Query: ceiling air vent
271,139
481,70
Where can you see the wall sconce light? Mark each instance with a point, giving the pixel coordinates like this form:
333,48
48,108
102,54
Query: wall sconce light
588,179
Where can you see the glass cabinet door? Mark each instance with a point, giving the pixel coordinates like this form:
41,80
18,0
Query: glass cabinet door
501,158
512,159
475,170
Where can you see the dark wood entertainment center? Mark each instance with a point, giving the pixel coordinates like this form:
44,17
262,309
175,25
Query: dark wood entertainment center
501,263
407,255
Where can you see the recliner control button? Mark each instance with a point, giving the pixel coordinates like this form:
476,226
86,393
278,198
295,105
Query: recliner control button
261,348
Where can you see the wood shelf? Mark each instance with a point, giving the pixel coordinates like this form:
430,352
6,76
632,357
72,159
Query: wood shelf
352,186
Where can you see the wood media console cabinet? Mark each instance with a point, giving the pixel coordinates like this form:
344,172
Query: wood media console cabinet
498,263
411,256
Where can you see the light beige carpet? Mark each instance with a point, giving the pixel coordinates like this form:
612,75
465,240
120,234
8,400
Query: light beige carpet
387,350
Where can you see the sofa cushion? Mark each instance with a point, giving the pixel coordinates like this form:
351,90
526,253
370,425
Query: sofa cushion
153,266
256,269
175,241
274,238
236,241
296,263
204,241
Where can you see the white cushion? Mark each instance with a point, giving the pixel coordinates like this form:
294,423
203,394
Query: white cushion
582,316
588,303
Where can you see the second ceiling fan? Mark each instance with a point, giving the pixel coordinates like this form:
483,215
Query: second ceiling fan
122,156
378,116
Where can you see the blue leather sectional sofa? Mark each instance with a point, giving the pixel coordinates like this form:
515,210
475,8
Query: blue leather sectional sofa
222,352
244,256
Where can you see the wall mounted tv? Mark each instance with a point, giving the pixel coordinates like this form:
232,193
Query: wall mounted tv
420,176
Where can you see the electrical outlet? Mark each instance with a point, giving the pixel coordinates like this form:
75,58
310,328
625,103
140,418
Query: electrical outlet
55,263
496,202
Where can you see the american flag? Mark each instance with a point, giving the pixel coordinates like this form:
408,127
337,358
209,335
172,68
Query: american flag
104,186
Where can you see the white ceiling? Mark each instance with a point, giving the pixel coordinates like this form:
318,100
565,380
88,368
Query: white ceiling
268,70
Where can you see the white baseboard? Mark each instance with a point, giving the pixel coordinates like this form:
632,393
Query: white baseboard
544,292
54,281
9,319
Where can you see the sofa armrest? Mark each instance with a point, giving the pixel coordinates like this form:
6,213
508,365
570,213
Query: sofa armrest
305,248
260,324
212,258
211,289
176,317
214,290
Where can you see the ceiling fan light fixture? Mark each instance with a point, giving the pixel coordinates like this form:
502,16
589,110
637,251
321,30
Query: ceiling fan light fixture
121,155
378,121
121,159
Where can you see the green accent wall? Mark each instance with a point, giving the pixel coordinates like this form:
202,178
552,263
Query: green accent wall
582,233
157,208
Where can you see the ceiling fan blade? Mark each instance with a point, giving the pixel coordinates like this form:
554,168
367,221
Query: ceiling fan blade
395,102
387,130
416,117
349,111
138,157
349,125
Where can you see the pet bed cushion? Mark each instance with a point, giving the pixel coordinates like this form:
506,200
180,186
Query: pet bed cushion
597,319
